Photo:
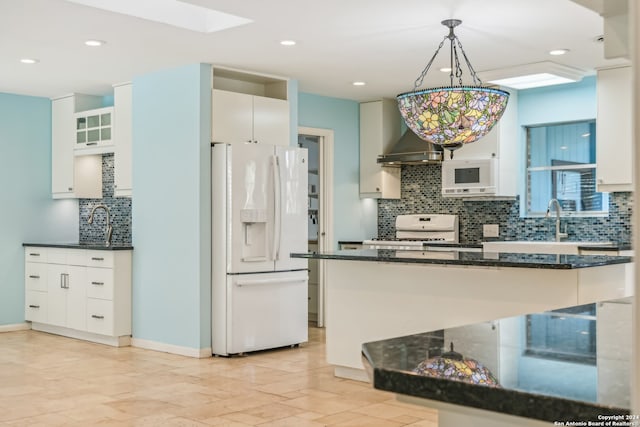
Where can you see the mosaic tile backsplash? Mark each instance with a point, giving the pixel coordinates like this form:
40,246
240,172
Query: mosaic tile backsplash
119,207
421,187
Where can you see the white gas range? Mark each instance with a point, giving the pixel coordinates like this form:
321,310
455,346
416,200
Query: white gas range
413,232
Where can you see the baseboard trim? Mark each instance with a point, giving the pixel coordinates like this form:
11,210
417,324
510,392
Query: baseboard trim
351,373
121,341
15,327
170,348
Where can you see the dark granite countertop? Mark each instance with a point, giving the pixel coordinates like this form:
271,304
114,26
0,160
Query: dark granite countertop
572,364
84,245
474,257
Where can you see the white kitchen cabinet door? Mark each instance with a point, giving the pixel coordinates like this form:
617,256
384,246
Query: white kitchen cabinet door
270,121
614,156
66,296
379,131
244,118
123,134
232,117
56,295
72,178
62,137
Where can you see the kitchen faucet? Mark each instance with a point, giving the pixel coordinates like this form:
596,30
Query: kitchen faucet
559,235
109,227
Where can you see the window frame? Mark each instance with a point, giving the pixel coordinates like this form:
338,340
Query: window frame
527,213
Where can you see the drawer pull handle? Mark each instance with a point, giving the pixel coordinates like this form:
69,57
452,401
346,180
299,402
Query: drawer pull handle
34,254
97,259
92,143
34,277
33,306
95,316
97,283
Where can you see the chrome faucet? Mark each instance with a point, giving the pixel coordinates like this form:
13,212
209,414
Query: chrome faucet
109,230
559,235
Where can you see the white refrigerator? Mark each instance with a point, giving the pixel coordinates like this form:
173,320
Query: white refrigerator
259,216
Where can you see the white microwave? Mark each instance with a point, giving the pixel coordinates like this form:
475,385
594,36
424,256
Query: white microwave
469,178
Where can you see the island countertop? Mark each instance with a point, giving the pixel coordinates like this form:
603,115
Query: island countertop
469,257
584,375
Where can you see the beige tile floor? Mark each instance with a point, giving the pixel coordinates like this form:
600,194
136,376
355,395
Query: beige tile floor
47,380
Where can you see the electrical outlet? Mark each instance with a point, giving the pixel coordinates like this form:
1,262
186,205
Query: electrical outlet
490,230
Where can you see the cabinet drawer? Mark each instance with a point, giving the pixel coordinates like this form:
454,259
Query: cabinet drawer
35,306
100,283
100,316
35,276
99,259
57,256
33,254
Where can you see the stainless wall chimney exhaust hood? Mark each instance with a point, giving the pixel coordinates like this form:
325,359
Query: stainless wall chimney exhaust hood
411,150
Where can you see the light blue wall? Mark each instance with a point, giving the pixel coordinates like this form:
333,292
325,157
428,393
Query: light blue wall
353,218
171,209
27,212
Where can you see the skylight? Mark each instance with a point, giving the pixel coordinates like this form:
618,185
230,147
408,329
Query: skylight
172,12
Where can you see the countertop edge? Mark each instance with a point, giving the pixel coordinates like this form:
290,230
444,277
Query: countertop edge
115,247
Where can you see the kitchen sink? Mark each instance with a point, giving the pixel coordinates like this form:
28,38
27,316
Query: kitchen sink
539,247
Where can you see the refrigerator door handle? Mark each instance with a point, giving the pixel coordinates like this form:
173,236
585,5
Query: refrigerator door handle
278,208
258,282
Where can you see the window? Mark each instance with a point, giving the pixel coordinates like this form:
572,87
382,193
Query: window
566,334
561,164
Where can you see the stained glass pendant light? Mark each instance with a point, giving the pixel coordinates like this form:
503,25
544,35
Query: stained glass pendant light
453,366
454,115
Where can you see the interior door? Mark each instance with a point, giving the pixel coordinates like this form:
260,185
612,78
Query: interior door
291,208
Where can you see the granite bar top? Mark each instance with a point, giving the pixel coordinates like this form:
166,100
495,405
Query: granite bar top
84,245
469,256
571,364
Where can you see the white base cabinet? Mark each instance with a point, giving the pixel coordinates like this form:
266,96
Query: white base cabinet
79,293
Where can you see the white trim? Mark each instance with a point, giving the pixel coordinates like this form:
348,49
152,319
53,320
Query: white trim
15,327
170,348
561,167
325,208
121,341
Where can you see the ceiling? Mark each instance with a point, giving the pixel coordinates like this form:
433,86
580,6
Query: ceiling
384,43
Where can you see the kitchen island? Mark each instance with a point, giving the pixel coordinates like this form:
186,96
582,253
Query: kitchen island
379,294
568,365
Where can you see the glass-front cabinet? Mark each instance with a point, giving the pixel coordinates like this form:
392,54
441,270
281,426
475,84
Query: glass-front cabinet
94,130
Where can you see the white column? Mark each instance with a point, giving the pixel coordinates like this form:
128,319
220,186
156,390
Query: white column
634,37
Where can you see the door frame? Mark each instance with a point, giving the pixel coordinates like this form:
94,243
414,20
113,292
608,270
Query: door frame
325,208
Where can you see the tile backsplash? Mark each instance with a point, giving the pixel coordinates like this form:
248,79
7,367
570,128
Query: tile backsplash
119,207
421,187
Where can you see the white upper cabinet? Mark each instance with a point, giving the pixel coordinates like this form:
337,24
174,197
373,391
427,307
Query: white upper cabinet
94,131
502,143
249,108
72,177
122,100
379,130
614,154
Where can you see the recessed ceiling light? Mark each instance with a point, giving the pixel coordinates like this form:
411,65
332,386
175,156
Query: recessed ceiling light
445,69
558,52
288,43
94,43
29,61
359,83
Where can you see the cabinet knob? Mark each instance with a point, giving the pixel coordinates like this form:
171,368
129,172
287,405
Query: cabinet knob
70,188
377,188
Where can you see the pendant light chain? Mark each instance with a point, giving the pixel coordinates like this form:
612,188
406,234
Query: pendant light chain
474,75
420,79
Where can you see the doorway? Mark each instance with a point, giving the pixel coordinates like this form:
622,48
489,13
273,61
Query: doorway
319,142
